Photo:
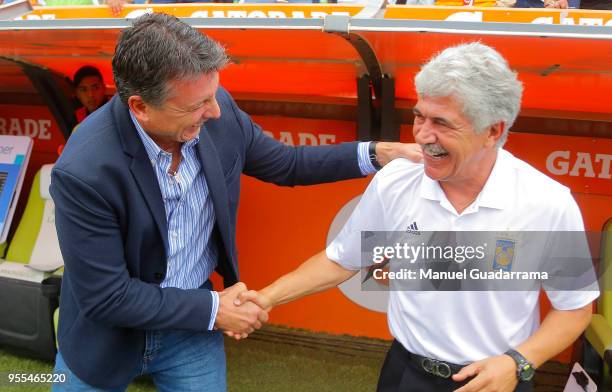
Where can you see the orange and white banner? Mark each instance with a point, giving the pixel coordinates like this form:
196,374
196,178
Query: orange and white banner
442,13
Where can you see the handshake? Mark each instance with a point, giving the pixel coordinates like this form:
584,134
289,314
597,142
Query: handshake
241,311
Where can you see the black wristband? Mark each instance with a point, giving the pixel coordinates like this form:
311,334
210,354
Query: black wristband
372,155
524,369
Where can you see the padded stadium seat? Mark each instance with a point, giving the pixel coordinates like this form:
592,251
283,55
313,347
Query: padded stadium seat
27,278
597,358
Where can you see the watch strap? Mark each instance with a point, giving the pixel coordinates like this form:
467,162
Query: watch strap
524,368
372,155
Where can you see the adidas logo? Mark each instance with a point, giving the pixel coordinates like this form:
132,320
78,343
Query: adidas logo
413,228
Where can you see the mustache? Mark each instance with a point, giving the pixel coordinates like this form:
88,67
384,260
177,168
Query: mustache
433,149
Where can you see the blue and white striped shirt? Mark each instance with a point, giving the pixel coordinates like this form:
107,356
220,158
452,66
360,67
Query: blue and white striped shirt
190,215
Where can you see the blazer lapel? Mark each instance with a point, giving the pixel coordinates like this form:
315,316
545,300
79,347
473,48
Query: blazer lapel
140,167
149,187
218,191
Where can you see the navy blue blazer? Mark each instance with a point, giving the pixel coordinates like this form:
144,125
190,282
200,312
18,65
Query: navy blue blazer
112,229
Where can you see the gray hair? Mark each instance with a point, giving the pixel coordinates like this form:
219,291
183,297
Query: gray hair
158,49
480,79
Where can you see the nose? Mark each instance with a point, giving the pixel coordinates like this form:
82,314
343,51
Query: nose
423,132
214,111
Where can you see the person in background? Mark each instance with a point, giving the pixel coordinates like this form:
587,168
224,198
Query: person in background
596,4
474,3
116,6
53,3
547,4
412,2
90,91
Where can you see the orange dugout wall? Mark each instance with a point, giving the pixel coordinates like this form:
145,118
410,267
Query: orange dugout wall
278,228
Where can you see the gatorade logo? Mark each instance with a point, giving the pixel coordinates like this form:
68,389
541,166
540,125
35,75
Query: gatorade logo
579,164
34,128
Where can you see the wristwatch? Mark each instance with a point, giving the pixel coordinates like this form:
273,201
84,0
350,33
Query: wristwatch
372,155
524,369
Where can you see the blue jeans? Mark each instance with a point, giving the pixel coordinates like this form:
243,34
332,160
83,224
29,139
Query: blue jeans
176,360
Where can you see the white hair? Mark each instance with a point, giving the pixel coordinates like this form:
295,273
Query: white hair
480,79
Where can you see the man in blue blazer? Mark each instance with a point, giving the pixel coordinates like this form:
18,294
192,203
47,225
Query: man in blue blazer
146,195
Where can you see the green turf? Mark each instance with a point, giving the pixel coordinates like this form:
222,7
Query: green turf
282,359
255,365
294,362
10,363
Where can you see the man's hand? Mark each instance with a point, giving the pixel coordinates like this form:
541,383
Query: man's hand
116,6
253,296
555,4
494,374
388,151
238,322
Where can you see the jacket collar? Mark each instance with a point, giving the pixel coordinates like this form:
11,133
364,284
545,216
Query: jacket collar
140,166
215,180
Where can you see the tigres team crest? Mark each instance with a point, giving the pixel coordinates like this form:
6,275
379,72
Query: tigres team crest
504,254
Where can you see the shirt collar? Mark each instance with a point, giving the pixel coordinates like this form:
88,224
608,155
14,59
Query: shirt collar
495,193
430,189
499,186
153,150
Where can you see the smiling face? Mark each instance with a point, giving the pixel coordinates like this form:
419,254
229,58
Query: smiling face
452,150
189,105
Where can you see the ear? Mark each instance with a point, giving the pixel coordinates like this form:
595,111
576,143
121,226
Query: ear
139,108
494,133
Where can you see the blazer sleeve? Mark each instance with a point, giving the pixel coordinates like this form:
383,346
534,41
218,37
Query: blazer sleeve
270,160
92,246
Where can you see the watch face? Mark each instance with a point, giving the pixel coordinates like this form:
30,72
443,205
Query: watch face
527,372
